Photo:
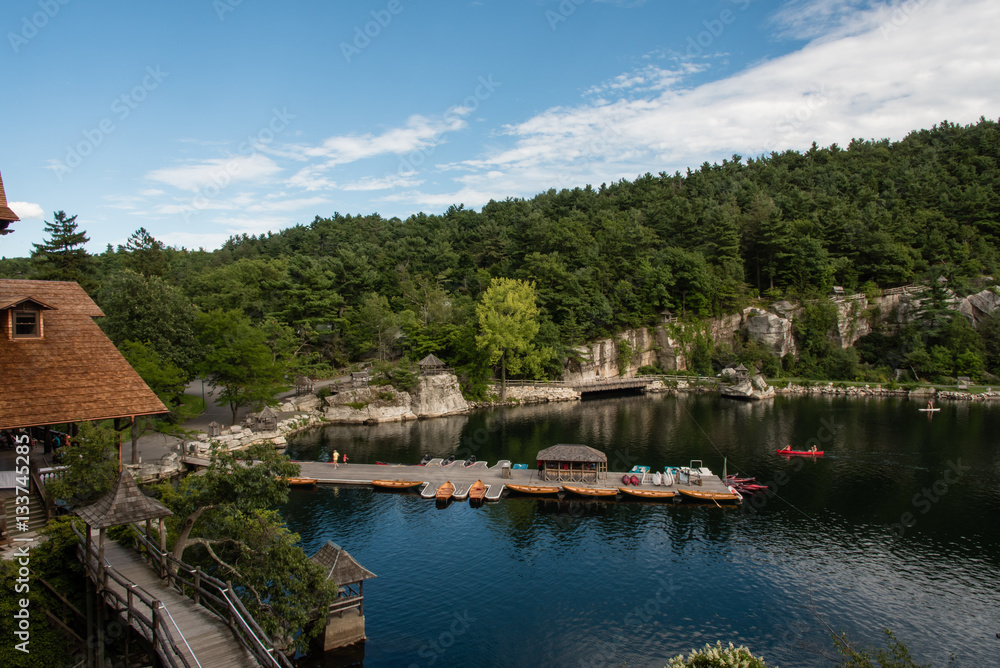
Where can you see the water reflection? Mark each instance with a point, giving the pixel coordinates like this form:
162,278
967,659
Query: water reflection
563,581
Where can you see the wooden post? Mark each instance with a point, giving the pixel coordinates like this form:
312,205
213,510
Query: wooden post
149,537
100,560
90,603
163,550
197,585
135,440
156,624
128,619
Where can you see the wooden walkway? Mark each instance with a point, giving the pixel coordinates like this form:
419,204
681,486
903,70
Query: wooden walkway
201,638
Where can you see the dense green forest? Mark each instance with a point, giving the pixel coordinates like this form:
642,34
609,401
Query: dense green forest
707,242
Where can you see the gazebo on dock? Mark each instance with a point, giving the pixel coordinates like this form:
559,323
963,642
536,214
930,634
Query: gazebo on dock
572,463
345,623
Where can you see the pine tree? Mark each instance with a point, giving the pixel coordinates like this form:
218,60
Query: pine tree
62,257
145,254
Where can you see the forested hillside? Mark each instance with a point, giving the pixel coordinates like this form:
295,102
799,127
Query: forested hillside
347,287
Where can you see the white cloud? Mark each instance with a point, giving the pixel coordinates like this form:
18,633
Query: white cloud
27,210
384,182
419,133
889,72
216,172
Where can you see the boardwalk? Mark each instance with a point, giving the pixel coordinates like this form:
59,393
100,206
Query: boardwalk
202,639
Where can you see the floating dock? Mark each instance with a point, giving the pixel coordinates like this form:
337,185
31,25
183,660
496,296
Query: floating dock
434,475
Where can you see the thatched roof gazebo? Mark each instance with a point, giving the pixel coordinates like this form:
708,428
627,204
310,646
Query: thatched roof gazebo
266,420
431,365
350,577
7,216
572,463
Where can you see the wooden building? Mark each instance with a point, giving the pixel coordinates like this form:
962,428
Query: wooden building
7,216
345,623
572,463
432,365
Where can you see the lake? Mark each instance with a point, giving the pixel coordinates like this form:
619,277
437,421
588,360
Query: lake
898,526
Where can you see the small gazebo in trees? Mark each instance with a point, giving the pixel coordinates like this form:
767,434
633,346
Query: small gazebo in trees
214,429
742,373
572,463
303,385
431,365
345,624
266,420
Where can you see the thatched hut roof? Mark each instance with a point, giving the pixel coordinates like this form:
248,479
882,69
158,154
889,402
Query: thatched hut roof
124,504
340,566
571,453
7,215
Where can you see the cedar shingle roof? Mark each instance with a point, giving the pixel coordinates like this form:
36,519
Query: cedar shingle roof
73,372
124,504
340,565
431,360
5,212
571,453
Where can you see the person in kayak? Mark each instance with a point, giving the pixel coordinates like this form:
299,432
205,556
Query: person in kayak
787,448
813,449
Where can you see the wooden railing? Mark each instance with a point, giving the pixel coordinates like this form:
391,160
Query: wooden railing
142,611
528,383
218,597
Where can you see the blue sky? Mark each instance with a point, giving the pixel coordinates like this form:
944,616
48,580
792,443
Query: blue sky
200,120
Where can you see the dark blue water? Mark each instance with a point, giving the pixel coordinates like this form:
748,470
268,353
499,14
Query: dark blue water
850,542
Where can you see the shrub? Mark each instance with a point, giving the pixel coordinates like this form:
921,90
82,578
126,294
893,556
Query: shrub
717,656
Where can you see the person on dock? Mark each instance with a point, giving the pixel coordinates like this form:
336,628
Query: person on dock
345,459
336,456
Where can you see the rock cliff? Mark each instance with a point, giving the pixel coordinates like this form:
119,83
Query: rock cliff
434,396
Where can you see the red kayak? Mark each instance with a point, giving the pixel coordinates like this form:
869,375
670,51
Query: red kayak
800,453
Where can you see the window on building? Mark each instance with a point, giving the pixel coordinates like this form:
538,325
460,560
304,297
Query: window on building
27,325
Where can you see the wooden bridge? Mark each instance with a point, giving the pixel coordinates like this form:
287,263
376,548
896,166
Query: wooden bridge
188,618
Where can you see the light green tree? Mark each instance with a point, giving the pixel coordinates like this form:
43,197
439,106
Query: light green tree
239,361
508,323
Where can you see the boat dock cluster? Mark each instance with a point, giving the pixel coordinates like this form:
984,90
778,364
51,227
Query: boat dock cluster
459,479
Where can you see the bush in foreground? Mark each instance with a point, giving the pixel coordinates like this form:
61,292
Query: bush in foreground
717,656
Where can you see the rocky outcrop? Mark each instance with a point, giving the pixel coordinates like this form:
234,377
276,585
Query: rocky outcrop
438,395
600,360
434,396
980,305
770,330
751,389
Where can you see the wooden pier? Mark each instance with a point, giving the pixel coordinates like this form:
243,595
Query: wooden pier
434,474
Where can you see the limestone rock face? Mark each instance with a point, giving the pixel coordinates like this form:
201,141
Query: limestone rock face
978,306
435,396
599,360
751,389
771,331
439,395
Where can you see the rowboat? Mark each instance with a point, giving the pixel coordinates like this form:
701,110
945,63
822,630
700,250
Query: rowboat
533,489
301,482
591,491
397,484
477,491
649,493
732,496
801,453
445,491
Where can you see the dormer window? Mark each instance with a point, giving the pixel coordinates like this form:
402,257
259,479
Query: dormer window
27,324
23,318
